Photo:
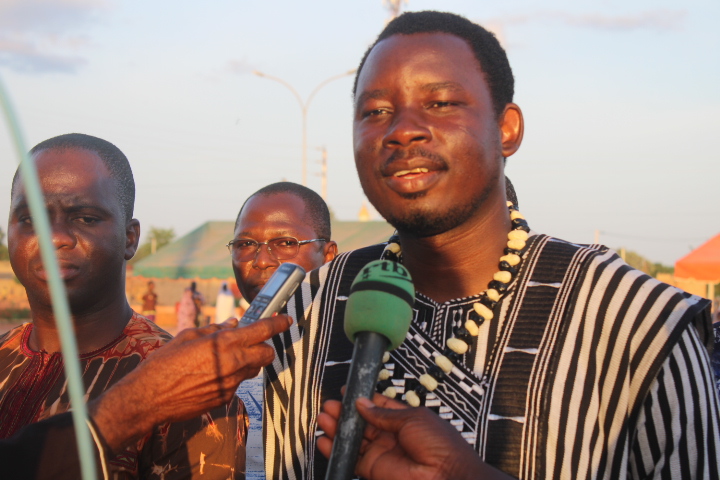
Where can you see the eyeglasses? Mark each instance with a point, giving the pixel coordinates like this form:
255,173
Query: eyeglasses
282,248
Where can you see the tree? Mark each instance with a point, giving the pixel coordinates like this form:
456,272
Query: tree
3,248
636,260
156,239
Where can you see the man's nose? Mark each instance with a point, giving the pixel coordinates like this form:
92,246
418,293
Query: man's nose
264,258
62,234
407,127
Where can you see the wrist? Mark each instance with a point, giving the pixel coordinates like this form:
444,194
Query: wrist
119,418
472,467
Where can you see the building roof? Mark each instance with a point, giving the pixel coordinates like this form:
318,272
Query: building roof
703,263
202,252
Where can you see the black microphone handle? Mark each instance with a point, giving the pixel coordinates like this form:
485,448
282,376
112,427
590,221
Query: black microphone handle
362,378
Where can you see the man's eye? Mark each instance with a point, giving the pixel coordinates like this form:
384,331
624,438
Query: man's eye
441,104
26,219
285,242
87,220
245,243
374,113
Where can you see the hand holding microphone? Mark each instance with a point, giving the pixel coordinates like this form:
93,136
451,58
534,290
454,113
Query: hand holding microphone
401,442
377,318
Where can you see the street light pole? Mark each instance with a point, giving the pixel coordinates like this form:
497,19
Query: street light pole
304,105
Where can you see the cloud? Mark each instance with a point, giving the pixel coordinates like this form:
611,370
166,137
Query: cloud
660,20
24,57
41,36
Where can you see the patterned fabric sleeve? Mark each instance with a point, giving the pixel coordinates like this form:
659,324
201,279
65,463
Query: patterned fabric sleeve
208,447
678,434
716,356
46,450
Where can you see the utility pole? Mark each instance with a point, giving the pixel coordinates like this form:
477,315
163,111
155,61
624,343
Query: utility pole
304,105
323,173
394,7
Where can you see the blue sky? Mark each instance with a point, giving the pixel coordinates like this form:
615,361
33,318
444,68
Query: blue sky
621,104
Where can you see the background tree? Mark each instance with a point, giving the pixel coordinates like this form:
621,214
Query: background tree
3,247
636,260
156,239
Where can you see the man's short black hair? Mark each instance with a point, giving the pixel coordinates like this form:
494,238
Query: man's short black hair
491,56
316,210
115,161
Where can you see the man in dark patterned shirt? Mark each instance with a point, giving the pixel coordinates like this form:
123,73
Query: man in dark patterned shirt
89,193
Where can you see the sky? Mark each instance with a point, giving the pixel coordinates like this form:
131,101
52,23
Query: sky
620,99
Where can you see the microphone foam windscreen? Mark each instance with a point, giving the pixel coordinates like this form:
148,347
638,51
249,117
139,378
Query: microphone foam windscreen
381,300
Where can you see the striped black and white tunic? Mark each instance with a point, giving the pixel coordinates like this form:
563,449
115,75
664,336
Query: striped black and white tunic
593,370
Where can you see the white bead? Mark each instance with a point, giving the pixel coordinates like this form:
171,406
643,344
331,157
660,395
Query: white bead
384,374
518,235
483,311
444,363
472,327
512,259
492,294
515,214
428,382
516,244
386,357
412,399
390,392
502,276
457,345
393,247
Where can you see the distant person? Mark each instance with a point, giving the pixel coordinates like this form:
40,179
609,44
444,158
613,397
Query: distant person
150,302
224,304
189,308
242,306
89,194
282,222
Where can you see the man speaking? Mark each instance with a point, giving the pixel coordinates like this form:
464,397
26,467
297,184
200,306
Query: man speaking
549,359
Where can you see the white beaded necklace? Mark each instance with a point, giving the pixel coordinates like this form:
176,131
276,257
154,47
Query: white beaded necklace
459,344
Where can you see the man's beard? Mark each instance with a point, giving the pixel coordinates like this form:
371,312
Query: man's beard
427,223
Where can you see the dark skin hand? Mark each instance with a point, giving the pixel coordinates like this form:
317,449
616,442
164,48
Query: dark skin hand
198,370
404,442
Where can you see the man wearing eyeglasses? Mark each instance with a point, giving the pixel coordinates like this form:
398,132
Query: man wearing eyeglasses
282,222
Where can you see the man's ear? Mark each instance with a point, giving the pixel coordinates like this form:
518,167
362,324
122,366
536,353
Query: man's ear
512,128
132,238
330,251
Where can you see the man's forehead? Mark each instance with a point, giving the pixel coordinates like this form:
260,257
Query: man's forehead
55,161
282,212
67,157
69,171
418,42
274,205
421,49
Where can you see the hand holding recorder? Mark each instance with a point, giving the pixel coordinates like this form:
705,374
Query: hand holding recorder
198,370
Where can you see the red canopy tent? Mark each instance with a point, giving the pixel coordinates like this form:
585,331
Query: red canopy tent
702,264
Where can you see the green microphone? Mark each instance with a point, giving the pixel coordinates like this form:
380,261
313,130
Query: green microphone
377,318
